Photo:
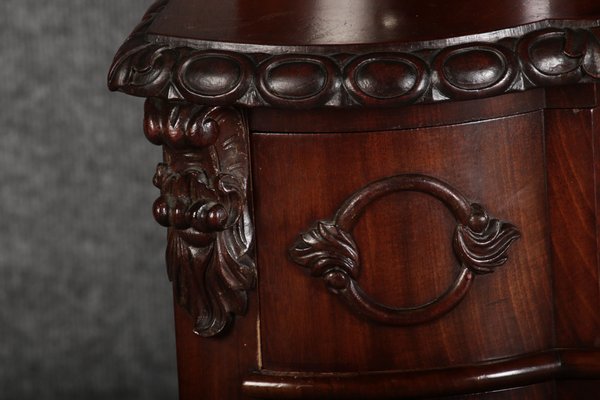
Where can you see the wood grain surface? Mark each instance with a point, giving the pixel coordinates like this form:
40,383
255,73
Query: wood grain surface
410,259
425,109
330,22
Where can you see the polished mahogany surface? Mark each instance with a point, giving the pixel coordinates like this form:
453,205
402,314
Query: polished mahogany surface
479,159
377,199
345,22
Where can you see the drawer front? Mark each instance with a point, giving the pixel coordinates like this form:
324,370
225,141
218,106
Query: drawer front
404,243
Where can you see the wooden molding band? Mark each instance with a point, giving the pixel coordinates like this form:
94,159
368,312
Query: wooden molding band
495,375
536,55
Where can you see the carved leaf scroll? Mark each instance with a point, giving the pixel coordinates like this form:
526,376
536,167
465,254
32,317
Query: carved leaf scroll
329,251
203,202
325,245
482,244
560,56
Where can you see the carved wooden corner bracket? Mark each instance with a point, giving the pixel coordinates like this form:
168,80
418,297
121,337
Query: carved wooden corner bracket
480,245
204,202
560,53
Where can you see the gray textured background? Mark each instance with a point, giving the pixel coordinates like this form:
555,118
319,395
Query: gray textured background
85,306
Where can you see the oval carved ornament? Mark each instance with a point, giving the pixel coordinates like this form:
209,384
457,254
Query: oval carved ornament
328,249
537,55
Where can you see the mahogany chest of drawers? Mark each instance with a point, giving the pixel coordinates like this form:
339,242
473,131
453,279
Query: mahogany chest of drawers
377,199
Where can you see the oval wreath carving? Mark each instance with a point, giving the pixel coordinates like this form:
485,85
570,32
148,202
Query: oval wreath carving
328,249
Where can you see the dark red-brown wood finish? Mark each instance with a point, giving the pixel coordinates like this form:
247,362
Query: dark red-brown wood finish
354,22
377,200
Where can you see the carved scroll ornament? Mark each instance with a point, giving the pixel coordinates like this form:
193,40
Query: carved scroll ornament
204,203
328,249
536,55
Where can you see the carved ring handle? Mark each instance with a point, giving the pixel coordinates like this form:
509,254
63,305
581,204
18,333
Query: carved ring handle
480,244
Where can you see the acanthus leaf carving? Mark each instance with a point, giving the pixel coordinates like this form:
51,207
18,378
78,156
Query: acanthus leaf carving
482,244
204,203
324,247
